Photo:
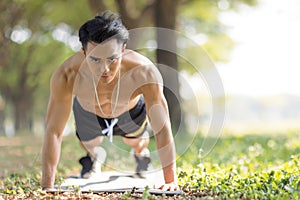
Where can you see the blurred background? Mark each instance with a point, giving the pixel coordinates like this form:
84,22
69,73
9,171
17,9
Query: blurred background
253,44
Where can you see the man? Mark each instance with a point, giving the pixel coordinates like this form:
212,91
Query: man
114,89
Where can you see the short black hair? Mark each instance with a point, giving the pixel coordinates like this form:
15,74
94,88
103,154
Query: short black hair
103,27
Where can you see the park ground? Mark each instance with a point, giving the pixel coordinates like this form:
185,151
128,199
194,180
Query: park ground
240,166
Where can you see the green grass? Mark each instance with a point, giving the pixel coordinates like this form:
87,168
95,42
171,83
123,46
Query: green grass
248,166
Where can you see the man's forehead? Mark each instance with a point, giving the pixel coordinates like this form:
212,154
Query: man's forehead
112,43
108,47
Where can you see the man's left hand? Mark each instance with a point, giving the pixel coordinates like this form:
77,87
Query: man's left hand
168,187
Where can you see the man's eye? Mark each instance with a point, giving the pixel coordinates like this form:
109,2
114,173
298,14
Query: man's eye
112,59
96,60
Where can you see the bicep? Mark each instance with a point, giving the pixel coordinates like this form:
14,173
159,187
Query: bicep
156,106
57,116
59,106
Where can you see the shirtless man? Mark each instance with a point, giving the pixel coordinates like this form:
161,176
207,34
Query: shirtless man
114,91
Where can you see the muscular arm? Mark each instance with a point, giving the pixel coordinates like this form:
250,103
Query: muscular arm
57,115
157,111
160,122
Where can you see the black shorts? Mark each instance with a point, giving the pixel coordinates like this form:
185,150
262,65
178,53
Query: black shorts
131,124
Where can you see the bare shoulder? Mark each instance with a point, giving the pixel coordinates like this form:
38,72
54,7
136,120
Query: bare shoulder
144,76
63,78
142,68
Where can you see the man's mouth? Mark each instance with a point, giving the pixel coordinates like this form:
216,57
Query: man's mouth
104,76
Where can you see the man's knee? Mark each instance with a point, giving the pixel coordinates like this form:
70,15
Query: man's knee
132,141
140,141
92,143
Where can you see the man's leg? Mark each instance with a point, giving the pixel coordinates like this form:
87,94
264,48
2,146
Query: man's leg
91,164
90,145
141,153
138,144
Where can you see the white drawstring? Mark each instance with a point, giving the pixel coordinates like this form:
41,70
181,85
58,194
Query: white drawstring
109,130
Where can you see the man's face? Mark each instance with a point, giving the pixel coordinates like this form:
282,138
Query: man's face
104,59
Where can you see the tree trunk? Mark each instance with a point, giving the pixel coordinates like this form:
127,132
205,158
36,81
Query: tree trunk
165,17
23,114
22,97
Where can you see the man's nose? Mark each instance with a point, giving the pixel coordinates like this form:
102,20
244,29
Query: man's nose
106,66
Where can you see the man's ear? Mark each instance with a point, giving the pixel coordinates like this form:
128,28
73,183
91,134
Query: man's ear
83,51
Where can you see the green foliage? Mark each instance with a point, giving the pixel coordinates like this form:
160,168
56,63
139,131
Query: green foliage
229,183
22,184
146,193
68,12
219,47
248,167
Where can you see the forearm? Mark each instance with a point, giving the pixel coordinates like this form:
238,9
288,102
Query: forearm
167,155
50,158
170,173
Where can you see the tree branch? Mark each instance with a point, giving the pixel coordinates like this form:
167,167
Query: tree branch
134,22
129,22
97,6
147,12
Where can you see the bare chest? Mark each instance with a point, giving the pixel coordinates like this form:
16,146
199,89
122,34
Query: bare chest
106,102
